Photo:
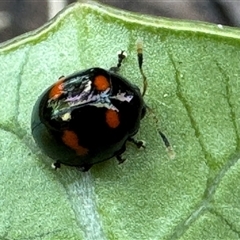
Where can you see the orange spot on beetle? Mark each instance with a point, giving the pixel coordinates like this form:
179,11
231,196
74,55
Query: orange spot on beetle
112,118
101,83
70,138
57,89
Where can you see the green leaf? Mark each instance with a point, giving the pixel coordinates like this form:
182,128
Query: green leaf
194,77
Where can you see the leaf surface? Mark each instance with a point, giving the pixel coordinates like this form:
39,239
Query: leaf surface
193,76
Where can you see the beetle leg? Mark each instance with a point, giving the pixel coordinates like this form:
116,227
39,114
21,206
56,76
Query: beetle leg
56,165
85,167
119,157
121,55
138,143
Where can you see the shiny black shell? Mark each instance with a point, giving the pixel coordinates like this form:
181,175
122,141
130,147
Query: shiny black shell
87,117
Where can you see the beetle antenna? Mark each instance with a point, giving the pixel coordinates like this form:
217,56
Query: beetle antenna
140,63
121,55
169,148
166,142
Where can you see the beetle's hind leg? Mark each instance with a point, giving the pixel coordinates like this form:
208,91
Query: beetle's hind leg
56,165
85,167
138,143
119,156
